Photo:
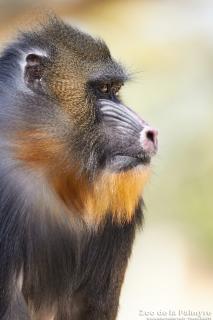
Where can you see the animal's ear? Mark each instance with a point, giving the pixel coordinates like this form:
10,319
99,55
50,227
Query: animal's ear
35,66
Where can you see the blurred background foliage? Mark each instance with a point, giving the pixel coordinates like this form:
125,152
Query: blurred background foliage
168,48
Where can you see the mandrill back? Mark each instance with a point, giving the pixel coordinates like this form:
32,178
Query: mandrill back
73,164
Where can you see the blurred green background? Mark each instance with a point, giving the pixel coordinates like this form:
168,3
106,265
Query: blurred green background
168,47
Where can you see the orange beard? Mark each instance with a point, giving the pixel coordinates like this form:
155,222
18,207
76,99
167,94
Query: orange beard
115,194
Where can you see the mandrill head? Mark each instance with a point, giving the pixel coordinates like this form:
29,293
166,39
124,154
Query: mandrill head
70,126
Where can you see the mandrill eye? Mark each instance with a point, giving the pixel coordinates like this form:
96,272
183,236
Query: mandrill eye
104,88
116,88
110,89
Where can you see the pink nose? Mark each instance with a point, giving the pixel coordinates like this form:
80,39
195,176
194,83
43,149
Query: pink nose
149,139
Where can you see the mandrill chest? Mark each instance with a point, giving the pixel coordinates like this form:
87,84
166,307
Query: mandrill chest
64,262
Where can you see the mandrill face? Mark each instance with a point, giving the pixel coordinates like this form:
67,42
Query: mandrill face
71,126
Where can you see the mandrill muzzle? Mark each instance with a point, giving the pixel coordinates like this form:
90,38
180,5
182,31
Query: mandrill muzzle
131,141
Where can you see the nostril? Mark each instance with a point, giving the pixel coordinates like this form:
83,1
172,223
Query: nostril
151,135
149,139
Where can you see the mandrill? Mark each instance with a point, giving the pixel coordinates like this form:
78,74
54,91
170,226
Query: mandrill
73,164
